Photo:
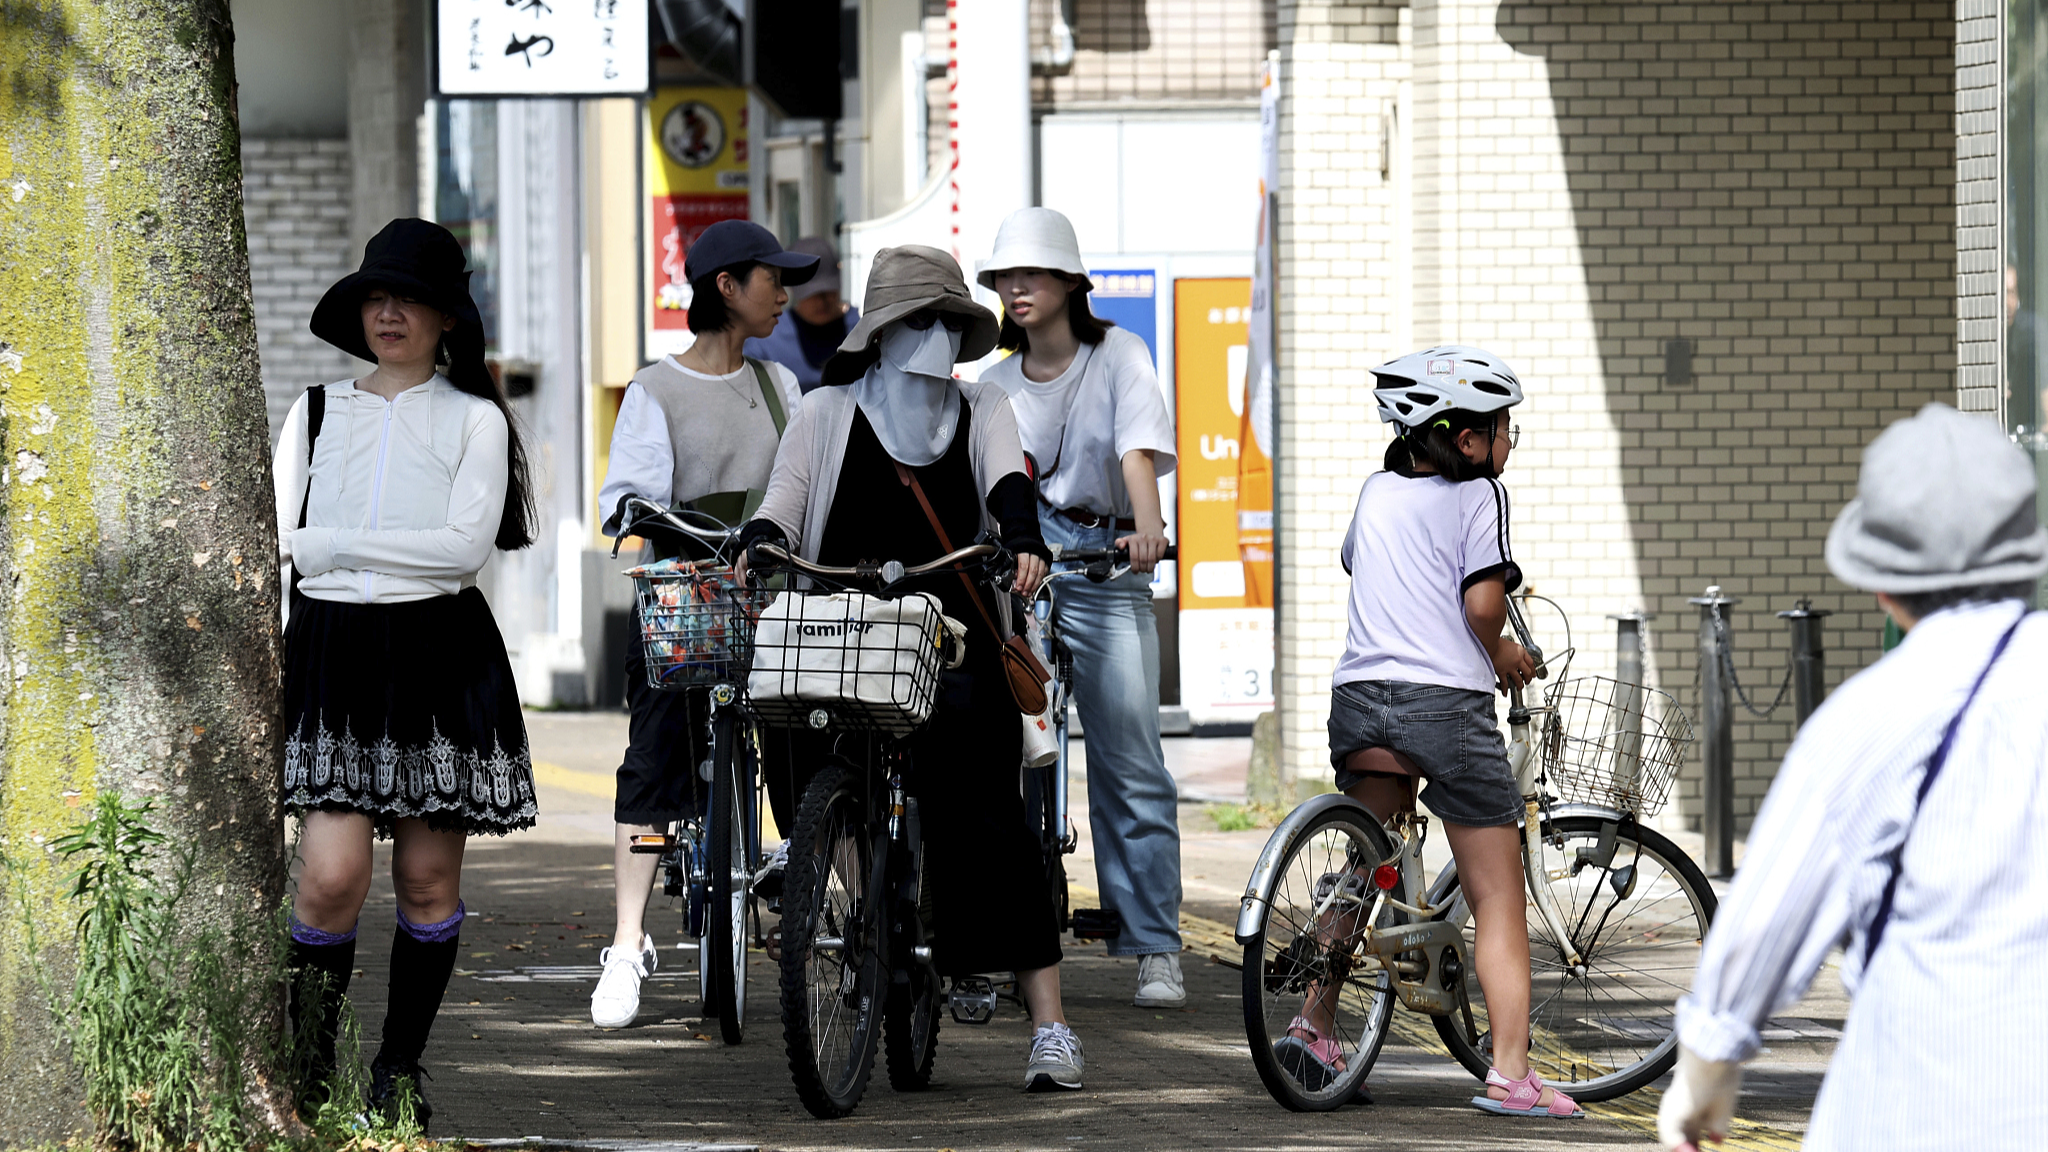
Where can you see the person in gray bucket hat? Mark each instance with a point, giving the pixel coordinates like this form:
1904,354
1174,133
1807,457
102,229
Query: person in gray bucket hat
894,459
1905,827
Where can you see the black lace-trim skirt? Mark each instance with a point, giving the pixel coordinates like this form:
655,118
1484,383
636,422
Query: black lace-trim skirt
399,710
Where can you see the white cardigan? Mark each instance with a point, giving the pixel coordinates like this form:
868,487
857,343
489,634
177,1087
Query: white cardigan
406,495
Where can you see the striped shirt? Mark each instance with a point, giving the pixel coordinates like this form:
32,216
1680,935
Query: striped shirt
1937,1051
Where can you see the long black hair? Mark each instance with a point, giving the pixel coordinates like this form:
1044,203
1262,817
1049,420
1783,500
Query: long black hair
1086,326
464,366
1437,444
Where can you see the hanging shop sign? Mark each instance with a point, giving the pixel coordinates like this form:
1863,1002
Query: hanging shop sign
540,48
1226,633
696,165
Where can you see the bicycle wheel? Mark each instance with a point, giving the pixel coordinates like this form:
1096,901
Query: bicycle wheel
730,868
1636,909
1304,960
831,965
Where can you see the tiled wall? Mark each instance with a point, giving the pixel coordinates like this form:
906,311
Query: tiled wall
1775,185
295,196
1980,289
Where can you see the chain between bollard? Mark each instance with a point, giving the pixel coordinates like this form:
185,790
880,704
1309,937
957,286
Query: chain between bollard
1725,644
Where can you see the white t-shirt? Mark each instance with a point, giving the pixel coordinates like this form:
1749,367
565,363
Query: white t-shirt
1079,426
1415,545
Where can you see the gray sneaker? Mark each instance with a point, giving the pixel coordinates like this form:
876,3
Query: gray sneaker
1159,982
1055,1060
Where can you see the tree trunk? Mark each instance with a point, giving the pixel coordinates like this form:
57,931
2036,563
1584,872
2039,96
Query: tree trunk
138,539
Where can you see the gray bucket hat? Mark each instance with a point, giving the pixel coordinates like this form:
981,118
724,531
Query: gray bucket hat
1944,501
908,279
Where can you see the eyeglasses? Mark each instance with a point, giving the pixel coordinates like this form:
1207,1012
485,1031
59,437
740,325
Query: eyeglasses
925,318
1514,435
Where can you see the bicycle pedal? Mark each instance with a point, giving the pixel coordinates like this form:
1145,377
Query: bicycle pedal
972,1000
1096,923
648,845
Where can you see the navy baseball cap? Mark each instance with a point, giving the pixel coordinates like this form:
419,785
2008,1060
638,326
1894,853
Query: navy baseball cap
730,242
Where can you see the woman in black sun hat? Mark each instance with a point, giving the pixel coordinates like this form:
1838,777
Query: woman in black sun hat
401,717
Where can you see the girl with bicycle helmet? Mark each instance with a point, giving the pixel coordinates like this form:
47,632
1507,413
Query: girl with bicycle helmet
1431,569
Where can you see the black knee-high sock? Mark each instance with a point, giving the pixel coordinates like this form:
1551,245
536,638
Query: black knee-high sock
422,959
321,965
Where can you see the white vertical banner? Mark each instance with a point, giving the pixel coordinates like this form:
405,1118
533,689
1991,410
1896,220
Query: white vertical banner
515,48
1259,368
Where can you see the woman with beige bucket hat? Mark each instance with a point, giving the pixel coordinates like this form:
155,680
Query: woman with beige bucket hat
889,412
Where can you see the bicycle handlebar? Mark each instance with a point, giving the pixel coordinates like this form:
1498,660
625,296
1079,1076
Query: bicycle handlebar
887,574
1097,555
655,515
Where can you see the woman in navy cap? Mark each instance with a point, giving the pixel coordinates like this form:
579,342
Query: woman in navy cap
401,717
697,430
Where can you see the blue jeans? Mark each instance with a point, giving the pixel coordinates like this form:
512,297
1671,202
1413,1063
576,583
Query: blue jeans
1132,802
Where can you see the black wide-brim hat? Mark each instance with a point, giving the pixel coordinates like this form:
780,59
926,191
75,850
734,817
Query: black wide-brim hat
417,259
905,280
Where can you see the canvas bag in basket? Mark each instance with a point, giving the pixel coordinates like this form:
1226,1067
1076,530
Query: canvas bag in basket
870,661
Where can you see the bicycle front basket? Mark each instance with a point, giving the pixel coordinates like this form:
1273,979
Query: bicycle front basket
872,664
696,625
1613,744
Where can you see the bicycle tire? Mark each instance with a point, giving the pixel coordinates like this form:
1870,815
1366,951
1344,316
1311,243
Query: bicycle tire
1615,1033
724,951
910,1023
1279,972
831,1007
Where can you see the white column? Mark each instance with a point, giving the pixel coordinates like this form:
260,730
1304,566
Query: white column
991,121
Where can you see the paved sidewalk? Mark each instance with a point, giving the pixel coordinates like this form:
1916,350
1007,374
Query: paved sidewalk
515,1056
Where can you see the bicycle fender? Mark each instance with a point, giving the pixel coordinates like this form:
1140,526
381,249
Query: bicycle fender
1259,889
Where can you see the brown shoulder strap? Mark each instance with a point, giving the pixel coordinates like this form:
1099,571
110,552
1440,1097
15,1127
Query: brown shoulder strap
909,479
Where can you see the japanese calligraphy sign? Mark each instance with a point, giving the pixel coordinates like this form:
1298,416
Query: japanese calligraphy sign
513,48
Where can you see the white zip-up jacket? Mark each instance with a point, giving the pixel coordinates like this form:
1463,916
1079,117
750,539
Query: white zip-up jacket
406,495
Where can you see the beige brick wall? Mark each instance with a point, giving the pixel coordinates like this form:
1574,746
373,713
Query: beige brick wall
1775,184
1980,263
1342,66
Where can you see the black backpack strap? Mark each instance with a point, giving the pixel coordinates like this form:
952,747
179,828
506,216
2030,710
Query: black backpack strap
1935,763
316,411
770,395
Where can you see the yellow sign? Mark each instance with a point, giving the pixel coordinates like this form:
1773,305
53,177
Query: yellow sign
697,156
1209,365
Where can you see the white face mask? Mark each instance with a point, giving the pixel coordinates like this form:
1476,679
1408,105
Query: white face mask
909,396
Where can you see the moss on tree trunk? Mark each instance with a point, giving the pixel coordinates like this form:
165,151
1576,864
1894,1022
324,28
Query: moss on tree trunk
138,540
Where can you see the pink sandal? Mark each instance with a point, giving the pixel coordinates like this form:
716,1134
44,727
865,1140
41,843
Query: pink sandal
1522,1098
1314,1062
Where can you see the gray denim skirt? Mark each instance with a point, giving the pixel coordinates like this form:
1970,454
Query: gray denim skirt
1449,733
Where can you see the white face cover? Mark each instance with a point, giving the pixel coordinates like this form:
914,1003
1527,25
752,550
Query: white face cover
910,396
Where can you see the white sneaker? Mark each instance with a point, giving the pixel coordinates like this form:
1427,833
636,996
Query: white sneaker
1055,1059
617,999
1159,982
767,882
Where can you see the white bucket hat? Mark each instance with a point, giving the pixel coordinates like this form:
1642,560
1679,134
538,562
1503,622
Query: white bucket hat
1034,238
1944,501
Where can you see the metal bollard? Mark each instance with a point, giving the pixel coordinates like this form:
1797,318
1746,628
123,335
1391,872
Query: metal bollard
1717,736
1628,698
1809,661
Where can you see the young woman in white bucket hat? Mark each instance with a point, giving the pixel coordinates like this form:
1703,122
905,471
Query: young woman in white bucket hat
1091,415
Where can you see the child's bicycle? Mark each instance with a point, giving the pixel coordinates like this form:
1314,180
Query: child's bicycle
696,632
1336,920
854,658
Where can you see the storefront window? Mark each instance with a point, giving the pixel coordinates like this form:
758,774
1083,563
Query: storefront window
466,195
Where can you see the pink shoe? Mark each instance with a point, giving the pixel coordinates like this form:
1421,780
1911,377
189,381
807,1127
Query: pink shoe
1522,1097
1314,1062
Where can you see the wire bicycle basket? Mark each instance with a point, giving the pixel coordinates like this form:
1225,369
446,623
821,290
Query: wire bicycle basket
1613,744
870,664
696,624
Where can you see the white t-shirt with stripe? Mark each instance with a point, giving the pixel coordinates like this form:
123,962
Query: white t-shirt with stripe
1415,545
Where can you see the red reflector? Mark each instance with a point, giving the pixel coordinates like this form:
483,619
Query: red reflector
1385,877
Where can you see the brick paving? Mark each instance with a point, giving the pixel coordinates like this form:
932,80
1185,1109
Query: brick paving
515,1055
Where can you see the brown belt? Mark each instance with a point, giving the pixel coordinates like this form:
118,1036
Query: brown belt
1087,519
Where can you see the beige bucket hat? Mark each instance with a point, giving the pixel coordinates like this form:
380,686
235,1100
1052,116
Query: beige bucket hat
904,280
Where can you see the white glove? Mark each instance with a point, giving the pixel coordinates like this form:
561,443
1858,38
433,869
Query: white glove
1701,1102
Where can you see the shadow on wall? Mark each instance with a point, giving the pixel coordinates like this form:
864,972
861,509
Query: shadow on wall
1776,186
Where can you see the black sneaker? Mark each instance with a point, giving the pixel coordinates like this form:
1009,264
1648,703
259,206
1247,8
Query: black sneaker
395,1083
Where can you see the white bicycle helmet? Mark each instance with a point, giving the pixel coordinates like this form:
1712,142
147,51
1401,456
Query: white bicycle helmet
1416,388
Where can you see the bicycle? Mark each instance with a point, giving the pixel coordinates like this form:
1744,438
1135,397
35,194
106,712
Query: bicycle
1330,916
696,632
856,910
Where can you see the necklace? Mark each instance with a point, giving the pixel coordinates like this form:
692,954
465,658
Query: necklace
736,390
